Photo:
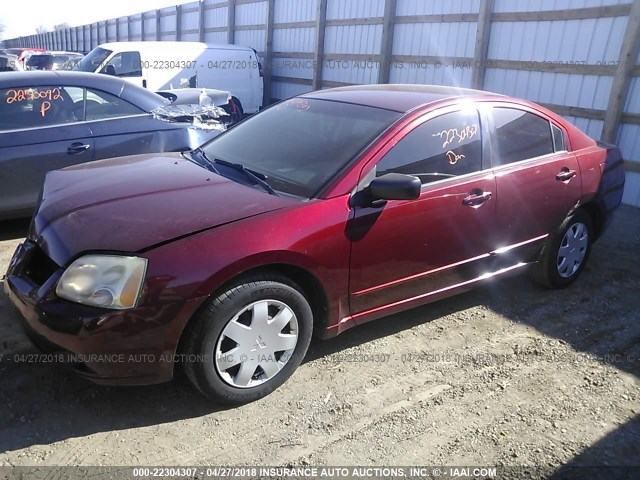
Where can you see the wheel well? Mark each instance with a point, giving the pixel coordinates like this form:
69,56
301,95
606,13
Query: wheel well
597,218
311,287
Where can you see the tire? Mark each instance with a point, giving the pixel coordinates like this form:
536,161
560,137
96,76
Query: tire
235,350
563,258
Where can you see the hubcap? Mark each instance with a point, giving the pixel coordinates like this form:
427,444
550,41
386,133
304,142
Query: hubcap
256,344
572,249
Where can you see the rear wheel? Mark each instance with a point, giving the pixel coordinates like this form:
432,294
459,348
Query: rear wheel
564,257
249,340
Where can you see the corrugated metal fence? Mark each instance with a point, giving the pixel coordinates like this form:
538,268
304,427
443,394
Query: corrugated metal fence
578,57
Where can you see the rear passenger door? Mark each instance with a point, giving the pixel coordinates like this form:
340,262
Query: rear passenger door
538,180
41,130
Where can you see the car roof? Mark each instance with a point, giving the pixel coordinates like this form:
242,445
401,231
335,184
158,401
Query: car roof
141,97
397,97
128,46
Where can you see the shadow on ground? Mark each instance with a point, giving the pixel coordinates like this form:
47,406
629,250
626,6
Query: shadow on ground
13,229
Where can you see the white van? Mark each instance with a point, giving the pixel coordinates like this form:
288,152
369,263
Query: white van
170,65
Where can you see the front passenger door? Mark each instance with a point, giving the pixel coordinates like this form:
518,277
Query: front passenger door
405,252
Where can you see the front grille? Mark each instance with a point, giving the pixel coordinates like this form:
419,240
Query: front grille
39,267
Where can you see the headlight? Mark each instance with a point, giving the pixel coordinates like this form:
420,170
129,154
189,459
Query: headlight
106,281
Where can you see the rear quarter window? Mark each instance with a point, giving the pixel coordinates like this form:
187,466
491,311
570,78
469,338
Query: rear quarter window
520,135
559,141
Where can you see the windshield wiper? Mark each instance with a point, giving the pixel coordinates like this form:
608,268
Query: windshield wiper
257,177
208,164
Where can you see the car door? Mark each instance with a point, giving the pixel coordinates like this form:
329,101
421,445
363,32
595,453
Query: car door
408,251
121,128
538,180
40,130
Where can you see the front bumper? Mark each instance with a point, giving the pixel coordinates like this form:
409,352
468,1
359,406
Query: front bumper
124,347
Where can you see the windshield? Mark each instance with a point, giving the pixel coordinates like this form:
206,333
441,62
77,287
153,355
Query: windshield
93,60
301,143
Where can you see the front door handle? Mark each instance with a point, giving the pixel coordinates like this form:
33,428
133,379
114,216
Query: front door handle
476,198
565,175
77,147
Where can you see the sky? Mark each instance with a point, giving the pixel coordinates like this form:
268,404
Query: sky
19,22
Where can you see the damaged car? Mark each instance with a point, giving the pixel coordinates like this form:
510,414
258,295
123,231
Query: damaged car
362,202
51,120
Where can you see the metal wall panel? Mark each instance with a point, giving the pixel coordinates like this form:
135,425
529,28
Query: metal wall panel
429,73
215,37
412,7
94,36
294,40
287,11
586,91
629,141
360,39
150,26
123,29
136,22
563,40
633,99
591,127
342,9
250,38
544,5
168,23
350,71
251,13
293,67
189,21
453,39
282,90
216,17
111,31
632,189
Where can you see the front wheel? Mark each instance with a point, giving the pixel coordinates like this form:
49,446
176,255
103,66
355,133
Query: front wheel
565,255
249,340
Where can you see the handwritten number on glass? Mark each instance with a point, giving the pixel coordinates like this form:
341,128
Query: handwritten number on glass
455,137
31,94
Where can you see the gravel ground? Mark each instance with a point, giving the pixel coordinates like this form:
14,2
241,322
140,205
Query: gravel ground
510,374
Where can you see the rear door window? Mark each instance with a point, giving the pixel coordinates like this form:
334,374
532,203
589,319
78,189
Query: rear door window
520,135
102,105
34,107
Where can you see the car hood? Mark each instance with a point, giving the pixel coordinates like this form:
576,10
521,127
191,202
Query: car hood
129,204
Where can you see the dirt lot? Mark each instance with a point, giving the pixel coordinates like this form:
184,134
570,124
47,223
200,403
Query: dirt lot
510,374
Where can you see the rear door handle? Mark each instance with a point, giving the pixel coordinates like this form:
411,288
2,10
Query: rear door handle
475,199
565,175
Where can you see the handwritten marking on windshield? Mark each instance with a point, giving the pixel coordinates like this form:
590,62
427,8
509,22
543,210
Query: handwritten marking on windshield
31,94
452,135
21,95
453,157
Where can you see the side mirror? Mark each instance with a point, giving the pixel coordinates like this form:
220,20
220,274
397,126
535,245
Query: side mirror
395,186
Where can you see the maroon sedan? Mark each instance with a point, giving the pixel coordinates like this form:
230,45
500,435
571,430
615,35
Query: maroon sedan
323,212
